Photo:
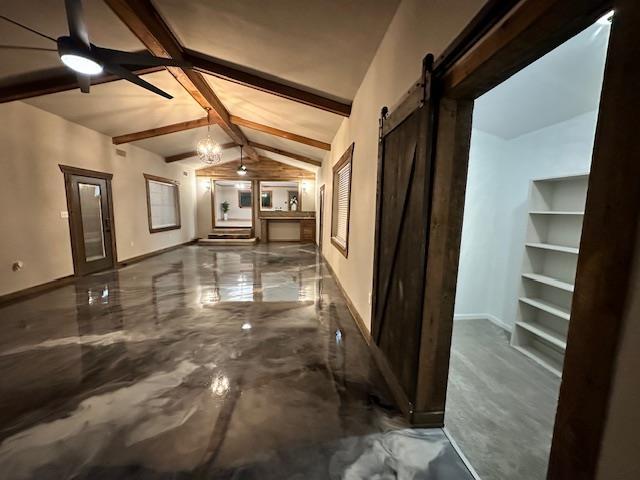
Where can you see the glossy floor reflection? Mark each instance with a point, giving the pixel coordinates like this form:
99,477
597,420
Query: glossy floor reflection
202,363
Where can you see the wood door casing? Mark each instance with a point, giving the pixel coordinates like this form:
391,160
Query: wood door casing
73,177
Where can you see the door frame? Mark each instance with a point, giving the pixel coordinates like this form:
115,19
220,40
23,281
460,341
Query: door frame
321,200
498,43
68,172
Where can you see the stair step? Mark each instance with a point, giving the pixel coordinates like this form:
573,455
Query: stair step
230,233
226,241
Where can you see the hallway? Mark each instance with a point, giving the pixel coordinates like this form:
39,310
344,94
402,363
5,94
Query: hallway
202,363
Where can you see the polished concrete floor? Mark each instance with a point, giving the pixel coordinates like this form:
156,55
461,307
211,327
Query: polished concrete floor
203,362
501,405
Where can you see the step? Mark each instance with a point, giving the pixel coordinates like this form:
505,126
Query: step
210,242
229,235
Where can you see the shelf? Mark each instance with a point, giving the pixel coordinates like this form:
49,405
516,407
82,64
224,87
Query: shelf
555,248
550,281
548,307
544,360
551,212
545,333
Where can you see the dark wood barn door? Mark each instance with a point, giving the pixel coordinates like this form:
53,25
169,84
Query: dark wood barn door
403,205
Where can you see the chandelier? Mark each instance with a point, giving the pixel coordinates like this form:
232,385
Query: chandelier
242,169
209,151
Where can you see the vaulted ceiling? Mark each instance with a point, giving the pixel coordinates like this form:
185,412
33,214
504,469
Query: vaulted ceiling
284,72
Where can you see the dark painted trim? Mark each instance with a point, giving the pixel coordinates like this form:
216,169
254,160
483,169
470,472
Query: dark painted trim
145,256
29,292
36,290
417,419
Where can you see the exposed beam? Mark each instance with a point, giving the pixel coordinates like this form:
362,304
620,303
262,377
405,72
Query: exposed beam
56,80
279,133
146,23
215,67
201,122
193,153
284,153
156,132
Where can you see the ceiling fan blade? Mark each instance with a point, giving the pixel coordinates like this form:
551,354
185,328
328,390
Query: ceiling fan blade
142,59
19,47
75,19
85,82
127,75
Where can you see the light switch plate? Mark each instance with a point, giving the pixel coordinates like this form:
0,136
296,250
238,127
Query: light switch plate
64,214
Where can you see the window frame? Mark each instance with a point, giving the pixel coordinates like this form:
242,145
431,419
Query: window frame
154,178
270,194
347,157
240,192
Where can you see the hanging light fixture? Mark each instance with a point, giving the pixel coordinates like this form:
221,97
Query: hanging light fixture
242,169
209,151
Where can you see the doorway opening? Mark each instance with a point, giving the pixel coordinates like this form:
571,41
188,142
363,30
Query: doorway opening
529,164
90,211
232,204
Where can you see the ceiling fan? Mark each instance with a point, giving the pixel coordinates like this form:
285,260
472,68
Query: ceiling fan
87,59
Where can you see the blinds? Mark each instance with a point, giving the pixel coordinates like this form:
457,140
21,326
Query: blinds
343,185
163,204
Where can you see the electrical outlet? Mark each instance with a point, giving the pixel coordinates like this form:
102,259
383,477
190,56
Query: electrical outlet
64,214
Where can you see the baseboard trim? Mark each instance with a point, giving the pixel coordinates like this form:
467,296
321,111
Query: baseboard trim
36,290
29,292
145,256
483,316
417,419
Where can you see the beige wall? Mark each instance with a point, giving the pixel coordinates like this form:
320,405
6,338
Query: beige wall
418,28
203,214
34,143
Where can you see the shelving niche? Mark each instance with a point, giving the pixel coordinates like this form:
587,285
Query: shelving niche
556,211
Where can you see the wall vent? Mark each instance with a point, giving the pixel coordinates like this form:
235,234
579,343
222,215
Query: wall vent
121,153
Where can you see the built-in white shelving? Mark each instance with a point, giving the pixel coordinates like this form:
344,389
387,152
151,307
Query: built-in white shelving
543,212
550,281
556,211
557,248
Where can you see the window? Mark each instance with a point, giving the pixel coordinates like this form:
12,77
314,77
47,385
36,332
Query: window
244,198
163,204
341,202
266,199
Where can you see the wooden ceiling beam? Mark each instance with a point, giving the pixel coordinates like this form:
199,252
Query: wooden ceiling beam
144,21
295,156
156,132
193,153
259,81
279,133
57,80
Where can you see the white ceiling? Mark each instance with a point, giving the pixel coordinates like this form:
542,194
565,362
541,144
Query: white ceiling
48,17
561,85
325,45
321,45
121,107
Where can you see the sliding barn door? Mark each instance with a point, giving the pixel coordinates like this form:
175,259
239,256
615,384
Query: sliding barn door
402,226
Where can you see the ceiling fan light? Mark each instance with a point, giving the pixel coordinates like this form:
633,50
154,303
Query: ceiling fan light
81,64
242,170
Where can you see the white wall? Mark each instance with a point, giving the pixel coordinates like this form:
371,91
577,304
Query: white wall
417,28
229,193
495,216
34,143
